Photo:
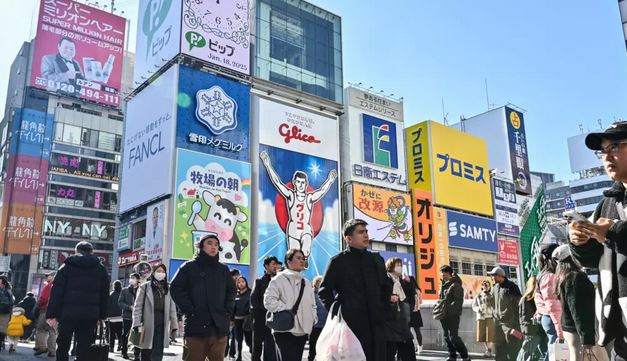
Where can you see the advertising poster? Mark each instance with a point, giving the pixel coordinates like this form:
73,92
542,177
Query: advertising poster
440,226
472,285
212,197
217,32
531,235
506,209
155,221
299,207
123,238
387,213
425,247
471,232
149,142
508,252
213,115
32,133
418,156
158,29
21,228
518,150
381,106
408,259
79,52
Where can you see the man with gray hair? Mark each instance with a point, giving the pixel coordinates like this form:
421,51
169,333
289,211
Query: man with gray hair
78,300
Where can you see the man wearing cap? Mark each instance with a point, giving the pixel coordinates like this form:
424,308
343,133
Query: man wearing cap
358,281
262,336
205,292
602,242
78,300
508,338
46,337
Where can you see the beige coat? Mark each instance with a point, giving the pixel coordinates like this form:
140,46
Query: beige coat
281,295
170,322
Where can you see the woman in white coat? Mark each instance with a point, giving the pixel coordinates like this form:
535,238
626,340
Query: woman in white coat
154,314
281,295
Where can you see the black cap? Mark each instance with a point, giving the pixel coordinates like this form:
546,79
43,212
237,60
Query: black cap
268,259
616,131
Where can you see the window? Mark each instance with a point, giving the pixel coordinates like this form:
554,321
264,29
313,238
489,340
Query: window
71,134
90,138
139,230
489,267
58,132
479,271
106,141
466,268
455,266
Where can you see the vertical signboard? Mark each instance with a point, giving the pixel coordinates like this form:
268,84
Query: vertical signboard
155,226
79,52
440,226
508,252
213,115
518,150
506,209
158,41
418,156
217,32
531,235
425,246
149,142
471,232
298,190
387,213
123,238
212,197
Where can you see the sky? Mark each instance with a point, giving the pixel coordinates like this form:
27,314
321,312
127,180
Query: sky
563,62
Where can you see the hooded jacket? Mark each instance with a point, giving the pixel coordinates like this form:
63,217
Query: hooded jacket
282,294
506,298
80,290
451,298
609,258
576,293
17,323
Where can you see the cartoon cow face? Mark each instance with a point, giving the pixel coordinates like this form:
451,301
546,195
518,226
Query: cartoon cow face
223,216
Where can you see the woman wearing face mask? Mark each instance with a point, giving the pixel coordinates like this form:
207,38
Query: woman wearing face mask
242,310
400,339
154,315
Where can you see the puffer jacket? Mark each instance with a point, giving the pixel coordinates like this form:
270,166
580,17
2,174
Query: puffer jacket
547,302
282,294
451,299
17,323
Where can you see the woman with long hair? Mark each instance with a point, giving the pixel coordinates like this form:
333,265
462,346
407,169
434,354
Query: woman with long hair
549,307
534,345
6,307
154,315
577,295
483,306
242,310
399,337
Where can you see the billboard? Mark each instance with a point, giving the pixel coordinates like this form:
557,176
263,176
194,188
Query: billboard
408,259
217,32
212,197
581,158
418,156
79,52
471,232
382,107
387,213
34,133
518,150
440,227
149,142
213,115
505,206
425,248
123,238
531,235
159,26
508,252
472,285
155,227
461,175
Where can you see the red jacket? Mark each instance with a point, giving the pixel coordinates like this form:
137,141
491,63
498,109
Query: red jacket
42,304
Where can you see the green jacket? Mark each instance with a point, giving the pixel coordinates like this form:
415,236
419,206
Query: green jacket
451,299
506,298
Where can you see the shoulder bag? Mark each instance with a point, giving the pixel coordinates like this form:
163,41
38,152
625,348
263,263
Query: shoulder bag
284,320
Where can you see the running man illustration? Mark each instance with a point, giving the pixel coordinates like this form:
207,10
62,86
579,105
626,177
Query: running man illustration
299,233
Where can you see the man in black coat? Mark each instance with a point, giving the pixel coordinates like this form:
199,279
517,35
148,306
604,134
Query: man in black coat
507,335
262,335
78,300
357,280
205,292
449,310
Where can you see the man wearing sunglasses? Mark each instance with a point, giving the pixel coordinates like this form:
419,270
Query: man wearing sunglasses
601,243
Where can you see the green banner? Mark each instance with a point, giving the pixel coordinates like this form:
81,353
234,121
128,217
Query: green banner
531,235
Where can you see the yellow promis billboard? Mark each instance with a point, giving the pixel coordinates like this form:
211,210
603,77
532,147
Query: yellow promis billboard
461,176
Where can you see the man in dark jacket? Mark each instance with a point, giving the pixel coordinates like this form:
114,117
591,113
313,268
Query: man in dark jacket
603,244
204,290
357,280
448,310
28,304
114,316
126,302
262,336
78,300
507,335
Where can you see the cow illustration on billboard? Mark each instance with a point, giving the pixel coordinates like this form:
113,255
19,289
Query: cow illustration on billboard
300,200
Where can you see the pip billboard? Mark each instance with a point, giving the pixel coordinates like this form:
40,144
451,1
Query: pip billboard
217,32
149,142
212,197
518,150
213,115
387,213
471,232
79,52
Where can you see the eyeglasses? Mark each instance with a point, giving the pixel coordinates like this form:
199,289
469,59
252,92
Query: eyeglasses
610,149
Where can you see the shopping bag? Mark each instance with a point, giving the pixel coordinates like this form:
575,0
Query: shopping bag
99,350
559,352
337,341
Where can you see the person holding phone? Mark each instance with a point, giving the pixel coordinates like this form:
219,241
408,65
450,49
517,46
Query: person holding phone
507,335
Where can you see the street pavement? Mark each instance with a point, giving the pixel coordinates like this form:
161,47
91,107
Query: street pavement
174,352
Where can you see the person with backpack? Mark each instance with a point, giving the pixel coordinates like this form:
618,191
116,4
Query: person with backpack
548,304
6,307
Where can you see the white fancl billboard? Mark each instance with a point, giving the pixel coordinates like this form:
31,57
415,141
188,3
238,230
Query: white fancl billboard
149,142
581,158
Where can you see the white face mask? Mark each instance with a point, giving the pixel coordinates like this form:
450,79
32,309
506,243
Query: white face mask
398,269
17,313
133,281
159,276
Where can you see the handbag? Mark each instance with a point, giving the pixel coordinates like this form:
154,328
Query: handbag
284,320
137,337
337,341
99,350
559,352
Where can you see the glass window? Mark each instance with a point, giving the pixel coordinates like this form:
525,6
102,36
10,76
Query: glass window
139,230
466,268
71,134
106,141
455,266
90,138
478,268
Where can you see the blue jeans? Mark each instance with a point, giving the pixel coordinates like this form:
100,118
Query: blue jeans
551,332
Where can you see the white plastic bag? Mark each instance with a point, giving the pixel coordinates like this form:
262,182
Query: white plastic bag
337,341
559,352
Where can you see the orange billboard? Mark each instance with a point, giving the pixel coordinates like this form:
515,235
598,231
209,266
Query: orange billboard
425,243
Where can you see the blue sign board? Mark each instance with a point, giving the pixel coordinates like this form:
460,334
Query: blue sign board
471,232
213,115
408,259
32,133
380,144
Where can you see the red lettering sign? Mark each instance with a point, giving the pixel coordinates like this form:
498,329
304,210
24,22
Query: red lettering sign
295,133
